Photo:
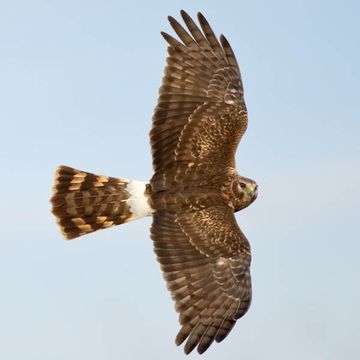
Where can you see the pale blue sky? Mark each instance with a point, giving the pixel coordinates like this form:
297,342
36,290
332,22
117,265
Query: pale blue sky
78,83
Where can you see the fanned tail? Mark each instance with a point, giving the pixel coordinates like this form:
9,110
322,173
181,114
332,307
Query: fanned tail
83,202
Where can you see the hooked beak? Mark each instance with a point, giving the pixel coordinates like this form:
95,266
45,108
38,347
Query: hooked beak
254,192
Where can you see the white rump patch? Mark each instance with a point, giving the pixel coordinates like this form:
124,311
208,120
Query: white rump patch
137,201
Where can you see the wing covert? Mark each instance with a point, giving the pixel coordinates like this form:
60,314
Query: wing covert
209,279
201,77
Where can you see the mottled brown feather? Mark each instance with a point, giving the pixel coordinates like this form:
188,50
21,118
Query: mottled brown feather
205,259
198,122
83,202
201,73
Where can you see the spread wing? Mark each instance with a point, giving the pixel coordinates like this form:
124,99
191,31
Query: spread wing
205,259
201,115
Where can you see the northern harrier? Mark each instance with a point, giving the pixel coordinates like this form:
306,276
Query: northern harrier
198,122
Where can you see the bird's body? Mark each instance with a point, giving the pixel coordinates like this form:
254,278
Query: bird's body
198,122
190,186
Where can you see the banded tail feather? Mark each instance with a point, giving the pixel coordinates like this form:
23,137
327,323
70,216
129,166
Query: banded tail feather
83,202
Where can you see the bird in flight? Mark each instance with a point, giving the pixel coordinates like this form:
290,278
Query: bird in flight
194,192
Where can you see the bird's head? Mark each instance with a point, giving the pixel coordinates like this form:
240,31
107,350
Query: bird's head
245,192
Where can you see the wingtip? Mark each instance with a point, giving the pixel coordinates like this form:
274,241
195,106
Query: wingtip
204,23
172,20
201,349
180,338
166,36
184,14
201,17
220,338
189,347
224,40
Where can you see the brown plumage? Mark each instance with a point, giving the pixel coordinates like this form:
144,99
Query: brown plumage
84,202
198,122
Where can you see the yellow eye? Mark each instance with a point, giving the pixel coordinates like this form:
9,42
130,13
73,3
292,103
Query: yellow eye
239,187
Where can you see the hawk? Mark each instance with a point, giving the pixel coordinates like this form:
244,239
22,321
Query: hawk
194,192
